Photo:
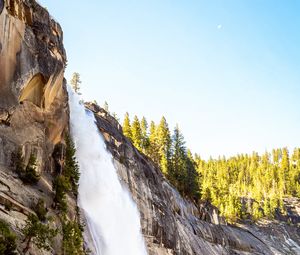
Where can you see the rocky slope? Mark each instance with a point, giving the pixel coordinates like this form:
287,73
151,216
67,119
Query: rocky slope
173,225
33,108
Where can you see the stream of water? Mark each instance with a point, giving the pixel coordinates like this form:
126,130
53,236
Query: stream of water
112,216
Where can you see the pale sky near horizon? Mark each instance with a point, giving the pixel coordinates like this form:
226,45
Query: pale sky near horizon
228,72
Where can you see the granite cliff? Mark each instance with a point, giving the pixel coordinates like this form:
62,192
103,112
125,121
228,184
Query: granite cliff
33,110
34,118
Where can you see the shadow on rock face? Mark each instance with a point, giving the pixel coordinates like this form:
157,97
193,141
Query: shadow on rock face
1,5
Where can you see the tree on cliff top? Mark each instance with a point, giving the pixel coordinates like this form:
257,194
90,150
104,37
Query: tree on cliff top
136,132
127,127
75,82
164,144
105,107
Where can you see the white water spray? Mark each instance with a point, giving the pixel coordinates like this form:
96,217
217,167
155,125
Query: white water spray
111,214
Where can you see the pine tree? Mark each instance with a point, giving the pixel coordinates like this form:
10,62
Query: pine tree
136,133
38,233
75,82
41,210
295,173
178,149
284,171
153,147
191,178
72,238
145,137
127,127
71,168
8,244
61,186
164,144
30,175
105,107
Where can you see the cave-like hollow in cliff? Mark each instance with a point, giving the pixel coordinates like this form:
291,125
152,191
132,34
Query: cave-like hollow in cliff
33,91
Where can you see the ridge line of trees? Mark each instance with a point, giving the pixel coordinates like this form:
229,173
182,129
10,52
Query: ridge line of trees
241,187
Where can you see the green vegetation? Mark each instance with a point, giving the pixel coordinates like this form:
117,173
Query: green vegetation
68,180
41,210
38,233
61,186
30,175
75,82
136,133
27,174
242,187
65,182
251,185
72,238
127,127
36,229
105,107
170,153
71,168
7,240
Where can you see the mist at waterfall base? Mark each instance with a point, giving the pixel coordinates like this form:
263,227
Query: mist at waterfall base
112,216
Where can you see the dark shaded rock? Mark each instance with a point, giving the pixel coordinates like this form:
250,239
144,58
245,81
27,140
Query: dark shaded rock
1,6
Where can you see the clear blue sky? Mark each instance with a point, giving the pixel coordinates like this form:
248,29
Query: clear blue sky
228,72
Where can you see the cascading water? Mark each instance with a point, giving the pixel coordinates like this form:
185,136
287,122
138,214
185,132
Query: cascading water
111,214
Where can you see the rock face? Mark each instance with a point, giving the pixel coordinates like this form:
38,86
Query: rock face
173,225
33,106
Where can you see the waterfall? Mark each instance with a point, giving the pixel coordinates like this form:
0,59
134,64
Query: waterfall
112,216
